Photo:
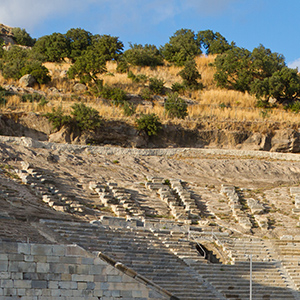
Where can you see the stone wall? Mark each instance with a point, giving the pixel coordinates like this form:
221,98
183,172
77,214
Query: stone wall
183,152
50,272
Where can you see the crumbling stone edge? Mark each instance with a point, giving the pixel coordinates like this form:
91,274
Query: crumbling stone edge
184,152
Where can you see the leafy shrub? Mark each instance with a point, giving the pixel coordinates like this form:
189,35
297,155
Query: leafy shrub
294,107
18,62
137,78
139,55
58,119
191,75
262,104
86,118
176,107
122,66
156,85
129,109
22,37
39,72
177,87
150,123
117,95
146,94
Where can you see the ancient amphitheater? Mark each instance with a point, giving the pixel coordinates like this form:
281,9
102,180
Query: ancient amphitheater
83,222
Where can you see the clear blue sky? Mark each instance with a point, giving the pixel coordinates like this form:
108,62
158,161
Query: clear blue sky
273,23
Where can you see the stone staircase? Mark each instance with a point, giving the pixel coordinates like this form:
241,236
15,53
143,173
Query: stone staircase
169,259
142,251
289,252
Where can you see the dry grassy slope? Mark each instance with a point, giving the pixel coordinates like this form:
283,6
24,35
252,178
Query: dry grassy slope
216,118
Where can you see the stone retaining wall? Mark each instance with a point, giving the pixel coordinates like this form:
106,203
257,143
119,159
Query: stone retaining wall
65,272
184,152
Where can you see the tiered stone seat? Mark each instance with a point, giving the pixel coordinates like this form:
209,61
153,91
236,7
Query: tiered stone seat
141,251
170,259
166,195
236,206
107,198
44,187
124,198
295,192
233,280
289,252
186,199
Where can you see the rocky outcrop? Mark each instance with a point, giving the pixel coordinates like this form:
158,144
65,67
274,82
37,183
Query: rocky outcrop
287,140
27,81
117,133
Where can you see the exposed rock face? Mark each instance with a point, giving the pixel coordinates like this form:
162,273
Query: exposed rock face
287,140
79,87
6,34
27,81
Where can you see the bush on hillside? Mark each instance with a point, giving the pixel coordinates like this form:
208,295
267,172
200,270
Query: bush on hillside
86,118
139,55
149,123
182,46
191,75
117,95
176,107
58,119
21,37
156,85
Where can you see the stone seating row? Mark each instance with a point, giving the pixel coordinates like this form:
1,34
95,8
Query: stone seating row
143,252
181,205
44,187
116,198
236,207
295,193
185,197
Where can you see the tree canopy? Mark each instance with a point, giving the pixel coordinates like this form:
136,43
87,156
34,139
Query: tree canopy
182,46
79,40
212,42
54,47
147,55
22,37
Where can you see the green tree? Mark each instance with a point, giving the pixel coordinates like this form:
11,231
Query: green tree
139,55
149,123
182,46
37,70
213,42
79,40
283,85
17,62
109,47
88,66
86,118
176,107
233,69
22,37
265,63
156,85
55,47
13,62
190,75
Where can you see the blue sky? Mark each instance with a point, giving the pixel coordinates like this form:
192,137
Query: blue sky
273,23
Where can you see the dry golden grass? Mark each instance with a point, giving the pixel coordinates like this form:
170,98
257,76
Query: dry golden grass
212,106
227,97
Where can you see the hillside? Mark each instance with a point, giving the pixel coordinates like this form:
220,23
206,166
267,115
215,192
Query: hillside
90,199
214,117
